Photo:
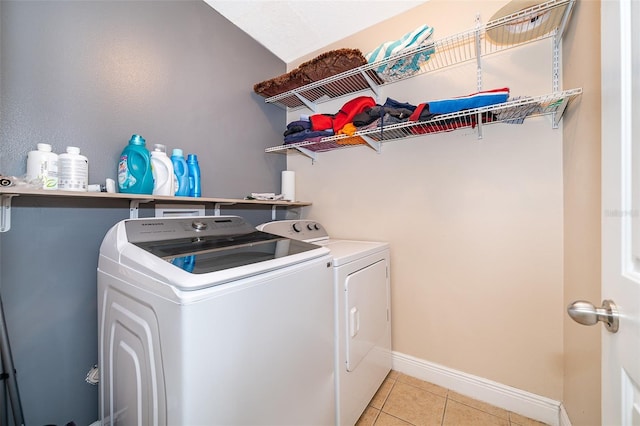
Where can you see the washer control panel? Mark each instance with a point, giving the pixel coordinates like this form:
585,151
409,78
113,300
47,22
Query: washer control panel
165,229
304,230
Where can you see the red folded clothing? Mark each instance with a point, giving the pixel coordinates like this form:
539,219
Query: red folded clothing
350,110
321,122
345,115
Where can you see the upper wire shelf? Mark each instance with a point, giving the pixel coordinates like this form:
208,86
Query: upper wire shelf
514,111
535,23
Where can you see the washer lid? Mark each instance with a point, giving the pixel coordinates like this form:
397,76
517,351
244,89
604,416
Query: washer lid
212,254
226,247
345,251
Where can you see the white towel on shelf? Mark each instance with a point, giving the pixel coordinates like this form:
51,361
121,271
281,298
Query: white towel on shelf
265,196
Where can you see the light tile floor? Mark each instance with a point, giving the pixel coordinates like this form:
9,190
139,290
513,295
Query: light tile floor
404,401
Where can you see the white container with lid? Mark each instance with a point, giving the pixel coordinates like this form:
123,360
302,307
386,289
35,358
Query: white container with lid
42,167
162,170
73,170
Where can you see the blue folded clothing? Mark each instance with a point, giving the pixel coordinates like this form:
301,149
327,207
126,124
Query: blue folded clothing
392,103
475,100
307,134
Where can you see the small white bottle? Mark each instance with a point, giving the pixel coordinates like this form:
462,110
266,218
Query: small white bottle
73,170
162,170
42,167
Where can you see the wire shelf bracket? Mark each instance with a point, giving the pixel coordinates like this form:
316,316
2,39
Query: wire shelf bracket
372,85
311,105
377,146
311,154
557,114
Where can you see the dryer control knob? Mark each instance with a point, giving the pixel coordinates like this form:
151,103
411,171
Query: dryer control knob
312,226
296,227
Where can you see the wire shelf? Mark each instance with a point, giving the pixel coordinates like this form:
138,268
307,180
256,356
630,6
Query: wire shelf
514,112
535,23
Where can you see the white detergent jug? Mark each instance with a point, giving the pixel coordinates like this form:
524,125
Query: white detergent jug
73,170
162,170
42,167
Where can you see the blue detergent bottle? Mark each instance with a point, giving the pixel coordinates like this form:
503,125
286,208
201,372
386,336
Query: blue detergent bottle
181,173
134,168
194,176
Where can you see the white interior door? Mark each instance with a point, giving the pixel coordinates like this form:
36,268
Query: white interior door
621,209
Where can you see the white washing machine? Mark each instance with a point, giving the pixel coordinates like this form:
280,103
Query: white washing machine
207,321
363,316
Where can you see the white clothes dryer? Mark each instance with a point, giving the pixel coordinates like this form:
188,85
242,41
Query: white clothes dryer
363,313
207,321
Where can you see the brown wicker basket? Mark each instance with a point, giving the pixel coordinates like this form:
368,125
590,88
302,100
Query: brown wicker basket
322,66
283,83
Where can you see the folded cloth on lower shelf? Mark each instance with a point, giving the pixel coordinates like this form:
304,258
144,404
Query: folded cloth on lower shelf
386,120
475,100
306,135
297,126
348,129
353,140
370,115
345,115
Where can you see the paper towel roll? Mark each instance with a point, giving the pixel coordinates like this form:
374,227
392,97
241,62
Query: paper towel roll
289,185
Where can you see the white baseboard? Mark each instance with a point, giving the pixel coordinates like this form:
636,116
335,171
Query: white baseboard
564,417
506,397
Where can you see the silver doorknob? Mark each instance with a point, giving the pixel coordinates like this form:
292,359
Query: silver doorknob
585,313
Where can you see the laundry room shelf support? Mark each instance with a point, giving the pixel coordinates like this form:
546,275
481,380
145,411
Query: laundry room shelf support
5,213
479,69
372,85
134,206
312,106
311,154
217,206
377,146
557,114
273,212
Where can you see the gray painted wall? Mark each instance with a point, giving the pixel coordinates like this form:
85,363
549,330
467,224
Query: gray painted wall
90,74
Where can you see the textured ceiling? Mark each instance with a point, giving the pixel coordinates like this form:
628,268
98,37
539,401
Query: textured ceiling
292,29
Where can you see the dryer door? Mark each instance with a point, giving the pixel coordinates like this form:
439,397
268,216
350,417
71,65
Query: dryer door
366,311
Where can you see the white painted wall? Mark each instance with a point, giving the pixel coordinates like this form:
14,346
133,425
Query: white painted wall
475,226
582,211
